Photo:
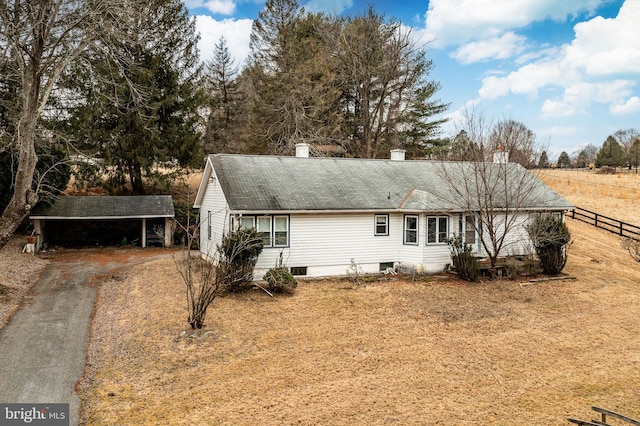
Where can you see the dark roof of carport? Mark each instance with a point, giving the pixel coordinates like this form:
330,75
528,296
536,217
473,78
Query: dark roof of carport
105,207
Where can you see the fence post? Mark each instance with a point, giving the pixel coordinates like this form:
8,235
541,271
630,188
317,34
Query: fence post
621,228
596,218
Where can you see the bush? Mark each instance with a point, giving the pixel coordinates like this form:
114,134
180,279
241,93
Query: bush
238,253
464,262
549,237
280,280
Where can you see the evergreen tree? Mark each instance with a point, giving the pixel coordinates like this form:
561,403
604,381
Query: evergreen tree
225,101
564,160
153,119
543,163
610,154
634,154
292,80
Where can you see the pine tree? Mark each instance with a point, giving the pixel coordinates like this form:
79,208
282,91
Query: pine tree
154,118
225,101
610,154
544,160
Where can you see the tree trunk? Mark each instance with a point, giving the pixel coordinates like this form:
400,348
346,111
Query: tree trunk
24,196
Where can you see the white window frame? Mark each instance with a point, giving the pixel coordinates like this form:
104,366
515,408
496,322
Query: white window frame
406,230
376,224
535,215
470,229
275,238
267,242
437,237
237,221
209,225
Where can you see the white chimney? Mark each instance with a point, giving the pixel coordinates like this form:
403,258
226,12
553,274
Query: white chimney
397,154
302,150
501,156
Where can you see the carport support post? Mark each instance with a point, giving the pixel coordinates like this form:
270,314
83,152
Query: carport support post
144,232
37,229
168,234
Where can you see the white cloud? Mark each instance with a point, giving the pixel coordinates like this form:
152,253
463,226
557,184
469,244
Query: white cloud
458,21
221,7
578,97
594,68
236,32
608,46
501,47
334,7
629,107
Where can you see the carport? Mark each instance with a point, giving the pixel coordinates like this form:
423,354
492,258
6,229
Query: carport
109,220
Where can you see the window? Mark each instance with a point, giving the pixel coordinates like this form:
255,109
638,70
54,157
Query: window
385,265
273,230
280,231
209,225
535,215
437,230
247,222
298,270
382,224
470,229
263,227
411,229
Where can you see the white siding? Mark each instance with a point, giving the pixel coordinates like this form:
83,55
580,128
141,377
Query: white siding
326,243
517,241
437,256
215,202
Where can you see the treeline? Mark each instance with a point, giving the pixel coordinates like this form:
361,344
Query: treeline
117,89
622,149
353,86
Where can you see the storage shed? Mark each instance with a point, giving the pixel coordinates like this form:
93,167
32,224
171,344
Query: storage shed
108,220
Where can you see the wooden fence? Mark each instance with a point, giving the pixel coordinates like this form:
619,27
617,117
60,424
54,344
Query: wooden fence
607,223
603,418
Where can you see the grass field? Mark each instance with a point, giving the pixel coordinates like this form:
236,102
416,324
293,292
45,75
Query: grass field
433,351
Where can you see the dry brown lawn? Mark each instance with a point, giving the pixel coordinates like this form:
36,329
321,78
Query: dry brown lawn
435,351
617,196
18,273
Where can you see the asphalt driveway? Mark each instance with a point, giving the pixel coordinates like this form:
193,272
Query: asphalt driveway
43,347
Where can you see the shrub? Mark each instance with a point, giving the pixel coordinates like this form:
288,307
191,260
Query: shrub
238,253
549,237
633,247
280,280
464,262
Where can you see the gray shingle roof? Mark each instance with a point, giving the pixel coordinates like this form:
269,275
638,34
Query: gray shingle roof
106,207
271,184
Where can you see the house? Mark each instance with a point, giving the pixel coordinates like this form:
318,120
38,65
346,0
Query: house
109,220
323,214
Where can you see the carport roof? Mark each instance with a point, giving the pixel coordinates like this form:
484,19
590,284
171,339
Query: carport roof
109,207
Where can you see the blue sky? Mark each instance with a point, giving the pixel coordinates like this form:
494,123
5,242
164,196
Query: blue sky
568,69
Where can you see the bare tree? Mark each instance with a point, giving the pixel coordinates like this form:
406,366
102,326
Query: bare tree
230,268
626,138
516,139
387,101
497,194
42,38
